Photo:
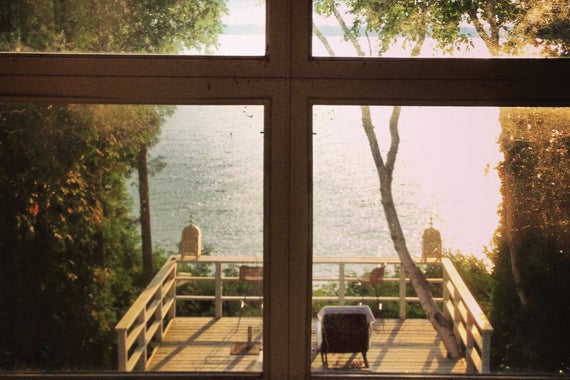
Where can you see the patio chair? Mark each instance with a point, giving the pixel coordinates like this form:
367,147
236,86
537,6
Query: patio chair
251,274
375,278
344,333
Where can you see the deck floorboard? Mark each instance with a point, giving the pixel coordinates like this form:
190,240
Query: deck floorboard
205,345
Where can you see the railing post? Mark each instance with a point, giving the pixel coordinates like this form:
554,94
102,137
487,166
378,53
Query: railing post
158,312
122,349
142,337
172,311
446,294
341,284
469,343
403,304
486,351
218,291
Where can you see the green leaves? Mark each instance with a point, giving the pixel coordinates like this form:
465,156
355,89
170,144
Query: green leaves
114,26
403,22
536,214
67,242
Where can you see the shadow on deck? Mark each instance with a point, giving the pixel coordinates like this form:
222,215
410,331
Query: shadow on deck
205,345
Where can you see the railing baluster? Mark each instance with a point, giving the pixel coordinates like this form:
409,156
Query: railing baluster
403,304
122,349
218,291
141,339
486,351
446,295
341,284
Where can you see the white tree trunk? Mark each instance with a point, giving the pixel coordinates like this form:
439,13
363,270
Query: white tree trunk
417,278
385,170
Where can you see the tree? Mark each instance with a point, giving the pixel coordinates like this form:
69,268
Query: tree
69,260
543,26
530,257
531,335
526,23
118,26
68,242
412,22
538,24
144,196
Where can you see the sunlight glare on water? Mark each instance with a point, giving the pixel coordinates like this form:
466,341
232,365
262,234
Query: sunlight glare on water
445,170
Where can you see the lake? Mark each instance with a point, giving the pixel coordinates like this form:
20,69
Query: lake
445,171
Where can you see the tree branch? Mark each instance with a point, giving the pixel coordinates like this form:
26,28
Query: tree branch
323,40
491,44
346,29
395,138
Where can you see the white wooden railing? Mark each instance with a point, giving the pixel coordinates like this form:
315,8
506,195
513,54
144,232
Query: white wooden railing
146,319
471,326
343,280
155,307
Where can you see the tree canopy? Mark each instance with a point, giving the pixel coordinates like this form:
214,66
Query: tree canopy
113,26
69,248
530,332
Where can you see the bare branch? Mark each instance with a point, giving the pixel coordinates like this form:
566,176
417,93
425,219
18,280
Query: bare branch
323,40
395,138
346,30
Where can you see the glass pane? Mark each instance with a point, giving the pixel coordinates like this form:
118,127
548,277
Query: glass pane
471,190
75,241
412,28
203,27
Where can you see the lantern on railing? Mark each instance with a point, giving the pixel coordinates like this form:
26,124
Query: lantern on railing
191,244
431,244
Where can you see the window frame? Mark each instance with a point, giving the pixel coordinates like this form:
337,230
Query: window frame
288,81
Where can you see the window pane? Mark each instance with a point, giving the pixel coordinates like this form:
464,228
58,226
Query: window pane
429,28
204,27
72,265
471,189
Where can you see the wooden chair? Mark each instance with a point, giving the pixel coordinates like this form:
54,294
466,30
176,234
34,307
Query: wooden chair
251,274
342,333
375,278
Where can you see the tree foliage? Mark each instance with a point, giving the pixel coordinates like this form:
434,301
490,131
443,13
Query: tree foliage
536,177
119,26
69,250
543,25
68,246
413,21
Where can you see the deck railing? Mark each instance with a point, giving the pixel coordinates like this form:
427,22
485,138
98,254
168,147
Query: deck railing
346,276
471,326
146,319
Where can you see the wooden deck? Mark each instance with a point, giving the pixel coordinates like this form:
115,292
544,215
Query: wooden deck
205,345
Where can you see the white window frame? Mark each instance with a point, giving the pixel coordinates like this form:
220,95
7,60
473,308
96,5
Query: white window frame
288,81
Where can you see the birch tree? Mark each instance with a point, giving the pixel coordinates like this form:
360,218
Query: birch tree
411,22
506,28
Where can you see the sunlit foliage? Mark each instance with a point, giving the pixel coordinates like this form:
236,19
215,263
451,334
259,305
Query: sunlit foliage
530,331
69,250
68,247
113,26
